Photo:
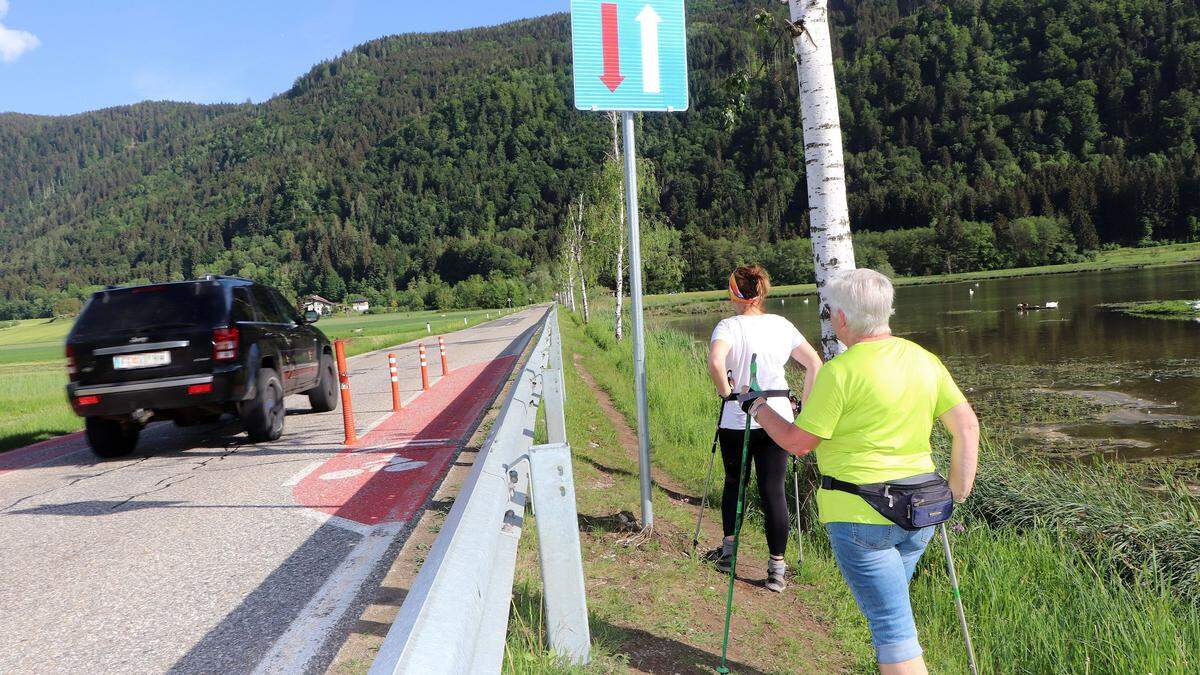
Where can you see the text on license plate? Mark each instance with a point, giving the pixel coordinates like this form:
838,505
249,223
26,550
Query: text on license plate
146,360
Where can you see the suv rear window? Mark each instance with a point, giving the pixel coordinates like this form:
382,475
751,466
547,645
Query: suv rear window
148,307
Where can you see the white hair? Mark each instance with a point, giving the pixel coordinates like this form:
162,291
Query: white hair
864,296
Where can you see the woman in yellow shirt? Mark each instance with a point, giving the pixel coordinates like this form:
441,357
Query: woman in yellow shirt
869,417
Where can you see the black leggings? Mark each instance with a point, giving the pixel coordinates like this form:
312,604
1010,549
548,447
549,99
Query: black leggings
770,463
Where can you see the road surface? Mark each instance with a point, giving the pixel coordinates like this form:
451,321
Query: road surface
202,553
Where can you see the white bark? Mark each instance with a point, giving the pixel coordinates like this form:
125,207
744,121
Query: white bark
618,320
579,242
569,256
829,216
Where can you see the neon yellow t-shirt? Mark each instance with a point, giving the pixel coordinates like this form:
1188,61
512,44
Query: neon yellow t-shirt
874,405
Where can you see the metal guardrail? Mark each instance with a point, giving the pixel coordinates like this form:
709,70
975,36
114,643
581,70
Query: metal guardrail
455,617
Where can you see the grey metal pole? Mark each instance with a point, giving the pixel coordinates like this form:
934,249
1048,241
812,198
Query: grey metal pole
639,338
958,604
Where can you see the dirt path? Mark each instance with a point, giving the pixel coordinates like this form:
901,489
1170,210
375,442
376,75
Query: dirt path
761,617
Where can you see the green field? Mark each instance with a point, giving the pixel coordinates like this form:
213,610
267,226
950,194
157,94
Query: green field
33,404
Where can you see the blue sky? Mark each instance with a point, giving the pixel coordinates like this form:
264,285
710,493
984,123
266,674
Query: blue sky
66,56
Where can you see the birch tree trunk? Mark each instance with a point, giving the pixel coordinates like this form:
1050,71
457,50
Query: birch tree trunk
579,242
618,327
569,255
829,216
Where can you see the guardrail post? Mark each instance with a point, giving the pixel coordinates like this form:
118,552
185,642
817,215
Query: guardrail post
552,394
442,348
556,355
558,547
395,377
339,348
424,367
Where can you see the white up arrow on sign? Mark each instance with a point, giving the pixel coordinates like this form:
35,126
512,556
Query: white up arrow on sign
651,75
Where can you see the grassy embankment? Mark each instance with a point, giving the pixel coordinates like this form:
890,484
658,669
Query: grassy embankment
1122,258
1176,310
1065,567
32,371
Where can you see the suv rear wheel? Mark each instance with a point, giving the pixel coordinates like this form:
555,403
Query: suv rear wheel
324,397
263,415
112,438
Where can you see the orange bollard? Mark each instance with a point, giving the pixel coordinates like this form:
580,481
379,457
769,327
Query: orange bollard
442,346
395,382
339,348
424,368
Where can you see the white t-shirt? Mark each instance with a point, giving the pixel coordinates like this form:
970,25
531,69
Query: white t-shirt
773,338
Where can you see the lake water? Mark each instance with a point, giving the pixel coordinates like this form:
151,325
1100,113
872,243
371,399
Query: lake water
980,320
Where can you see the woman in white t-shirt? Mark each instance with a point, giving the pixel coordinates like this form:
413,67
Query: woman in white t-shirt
775,340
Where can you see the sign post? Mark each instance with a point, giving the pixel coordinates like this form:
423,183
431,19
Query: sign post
631,55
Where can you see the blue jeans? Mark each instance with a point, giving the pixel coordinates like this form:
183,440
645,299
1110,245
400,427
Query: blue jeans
877,562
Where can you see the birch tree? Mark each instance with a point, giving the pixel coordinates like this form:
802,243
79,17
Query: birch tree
619,294
580,237
569,265
568,253
829,216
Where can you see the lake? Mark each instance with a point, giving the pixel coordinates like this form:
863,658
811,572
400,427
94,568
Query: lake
980,320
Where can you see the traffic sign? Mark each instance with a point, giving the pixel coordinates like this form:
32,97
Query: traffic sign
629,55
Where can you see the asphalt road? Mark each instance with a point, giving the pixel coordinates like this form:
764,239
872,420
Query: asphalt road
202,553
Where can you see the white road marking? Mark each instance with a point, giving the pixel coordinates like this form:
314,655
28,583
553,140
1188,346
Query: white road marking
336,521
304,637
303,473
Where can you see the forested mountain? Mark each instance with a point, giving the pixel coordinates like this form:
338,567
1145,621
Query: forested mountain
992,132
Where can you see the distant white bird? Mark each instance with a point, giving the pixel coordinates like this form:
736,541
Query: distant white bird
971,291
806,301
1051,304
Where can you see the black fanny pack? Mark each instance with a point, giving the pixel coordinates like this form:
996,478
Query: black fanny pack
915,503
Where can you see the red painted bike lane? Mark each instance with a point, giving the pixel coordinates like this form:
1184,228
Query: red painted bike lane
392,470
40,453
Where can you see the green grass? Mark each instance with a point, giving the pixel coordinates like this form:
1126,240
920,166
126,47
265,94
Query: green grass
33,406
35,331
1065,568
1176,310
368,332
1155,256
671,589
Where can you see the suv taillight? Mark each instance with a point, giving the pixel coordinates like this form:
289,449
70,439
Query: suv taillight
225,344
71,369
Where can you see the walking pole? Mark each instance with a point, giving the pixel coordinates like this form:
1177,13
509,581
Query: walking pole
708,477
796,496
712,456
737,523
958,604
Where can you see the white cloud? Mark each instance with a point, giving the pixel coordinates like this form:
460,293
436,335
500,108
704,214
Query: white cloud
14,43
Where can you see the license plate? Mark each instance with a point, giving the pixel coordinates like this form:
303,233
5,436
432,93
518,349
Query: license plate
146,360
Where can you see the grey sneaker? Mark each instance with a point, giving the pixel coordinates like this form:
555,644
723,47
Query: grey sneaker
776,575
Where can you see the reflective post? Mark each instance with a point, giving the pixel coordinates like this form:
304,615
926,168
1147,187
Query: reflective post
339,348
424,367
639,338
395,377
442,347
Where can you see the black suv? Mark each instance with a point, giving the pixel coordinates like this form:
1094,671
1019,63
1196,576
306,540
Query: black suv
189,351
